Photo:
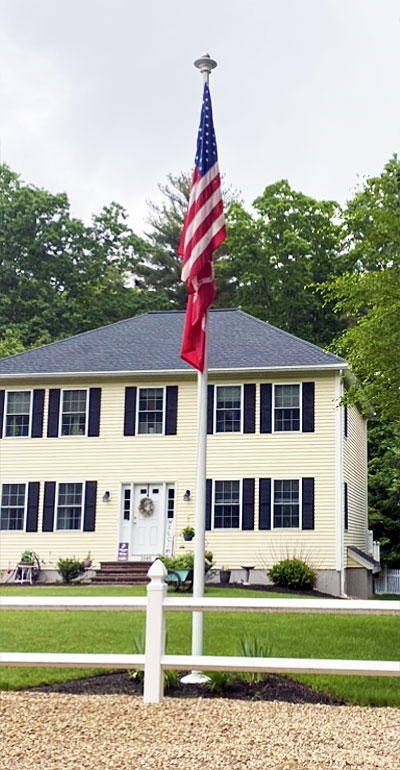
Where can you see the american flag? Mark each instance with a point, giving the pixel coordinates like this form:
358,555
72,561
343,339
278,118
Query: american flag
203,231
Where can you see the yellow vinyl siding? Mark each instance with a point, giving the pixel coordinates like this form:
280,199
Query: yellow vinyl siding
113,459
355,474
280,456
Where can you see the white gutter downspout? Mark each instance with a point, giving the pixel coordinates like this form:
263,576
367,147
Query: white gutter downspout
340,555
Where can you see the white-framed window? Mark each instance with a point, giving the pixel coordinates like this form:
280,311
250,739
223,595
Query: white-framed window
73,413
228,408
151,411
18,414
69,506
127,502
286,504
13,506
227,505
287,408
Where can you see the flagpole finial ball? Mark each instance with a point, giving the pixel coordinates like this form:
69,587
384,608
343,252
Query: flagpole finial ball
205,63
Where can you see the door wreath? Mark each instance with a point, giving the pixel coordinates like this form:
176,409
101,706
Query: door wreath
146,506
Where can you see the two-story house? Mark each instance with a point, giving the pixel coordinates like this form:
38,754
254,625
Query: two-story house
93,424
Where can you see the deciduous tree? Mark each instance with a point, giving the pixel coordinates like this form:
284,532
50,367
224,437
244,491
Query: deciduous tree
58,276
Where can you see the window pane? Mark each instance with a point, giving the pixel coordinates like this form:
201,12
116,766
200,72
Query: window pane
226,504
151,410
286,503
69,506
127,504
287,407
287,396
18,412
73,419
18,403
228,408
12,506
287,419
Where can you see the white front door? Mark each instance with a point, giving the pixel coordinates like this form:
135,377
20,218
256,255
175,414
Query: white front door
148,521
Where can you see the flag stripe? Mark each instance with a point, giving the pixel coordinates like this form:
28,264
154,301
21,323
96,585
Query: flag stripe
200,193
200,214
203,231
200,253
213,223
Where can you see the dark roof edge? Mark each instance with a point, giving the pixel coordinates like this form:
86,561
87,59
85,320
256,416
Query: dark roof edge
332,367
363,558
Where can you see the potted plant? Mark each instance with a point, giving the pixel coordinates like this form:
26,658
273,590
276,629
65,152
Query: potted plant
225,575
87,563
188,533
27,558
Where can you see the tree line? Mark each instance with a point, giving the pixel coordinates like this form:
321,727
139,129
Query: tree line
326,273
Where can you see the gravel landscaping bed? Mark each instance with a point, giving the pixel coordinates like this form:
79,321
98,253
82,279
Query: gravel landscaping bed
55,731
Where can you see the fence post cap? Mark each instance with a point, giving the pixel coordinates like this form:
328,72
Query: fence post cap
157,571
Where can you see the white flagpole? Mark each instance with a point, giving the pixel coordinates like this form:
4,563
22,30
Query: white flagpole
205,64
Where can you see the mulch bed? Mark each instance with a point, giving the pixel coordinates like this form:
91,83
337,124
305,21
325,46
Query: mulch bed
274,688
274,589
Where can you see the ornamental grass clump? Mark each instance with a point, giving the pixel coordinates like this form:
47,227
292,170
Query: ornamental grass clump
293,573
253,647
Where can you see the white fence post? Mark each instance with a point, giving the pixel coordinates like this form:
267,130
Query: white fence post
155,634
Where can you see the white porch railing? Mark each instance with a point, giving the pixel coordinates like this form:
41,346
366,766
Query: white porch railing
374,547
388,582
154,660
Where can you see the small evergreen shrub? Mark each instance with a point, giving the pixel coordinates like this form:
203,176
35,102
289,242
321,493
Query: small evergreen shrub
293,573
69,569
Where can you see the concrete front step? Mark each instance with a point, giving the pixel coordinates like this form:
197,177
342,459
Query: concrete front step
137,581
123,572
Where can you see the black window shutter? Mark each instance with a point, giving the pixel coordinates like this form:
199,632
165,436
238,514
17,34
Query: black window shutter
171,410
308,503
130,411
33,507
2,393
94,411
266,408
346,506
308,407
89,519
54,411
346,421
264,512
248,504
249,409
210,409
37,414
48,506
208,503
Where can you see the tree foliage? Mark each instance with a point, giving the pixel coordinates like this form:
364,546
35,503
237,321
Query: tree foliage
159,267
384,488
370,297
276,255
58,276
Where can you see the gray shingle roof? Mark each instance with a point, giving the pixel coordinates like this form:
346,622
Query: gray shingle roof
151,342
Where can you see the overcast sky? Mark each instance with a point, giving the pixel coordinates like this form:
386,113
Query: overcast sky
100,99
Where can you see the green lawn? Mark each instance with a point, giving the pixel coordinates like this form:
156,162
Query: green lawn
314,636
